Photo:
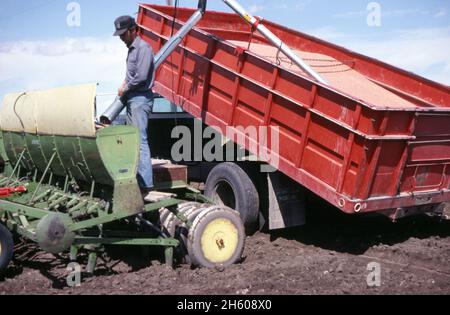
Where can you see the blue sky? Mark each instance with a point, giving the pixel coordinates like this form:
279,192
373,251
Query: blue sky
38,49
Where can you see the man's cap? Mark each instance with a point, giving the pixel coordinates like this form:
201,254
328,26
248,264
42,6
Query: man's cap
123,24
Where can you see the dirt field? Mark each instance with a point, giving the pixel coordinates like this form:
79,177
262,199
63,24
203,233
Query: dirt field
330,255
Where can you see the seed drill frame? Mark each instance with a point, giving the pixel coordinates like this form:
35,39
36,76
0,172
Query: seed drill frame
67,185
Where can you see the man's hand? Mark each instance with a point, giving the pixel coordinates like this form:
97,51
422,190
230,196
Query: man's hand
99,126
122,89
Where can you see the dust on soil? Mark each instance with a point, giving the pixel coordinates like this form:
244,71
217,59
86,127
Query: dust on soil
330,255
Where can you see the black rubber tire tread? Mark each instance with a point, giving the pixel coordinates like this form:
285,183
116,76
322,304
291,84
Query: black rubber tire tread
195,233
245,193
172,221
7,248
167,218
182,234
163,214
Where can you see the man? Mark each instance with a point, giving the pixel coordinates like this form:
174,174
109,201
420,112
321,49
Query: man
135,92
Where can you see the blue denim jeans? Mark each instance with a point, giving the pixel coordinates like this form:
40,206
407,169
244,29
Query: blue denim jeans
139,107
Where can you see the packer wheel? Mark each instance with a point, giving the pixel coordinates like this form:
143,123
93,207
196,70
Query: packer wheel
216,238
229,185
172,222
181,233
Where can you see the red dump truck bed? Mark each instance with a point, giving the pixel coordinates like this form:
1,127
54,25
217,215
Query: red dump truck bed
376,138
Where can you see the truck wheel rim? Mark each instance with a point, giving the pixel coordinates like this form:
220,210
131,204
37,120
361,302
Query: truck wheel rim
219,240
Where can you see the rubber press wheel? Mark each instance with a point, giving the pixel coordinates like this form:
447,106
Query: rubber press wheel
182,232
172,222
6,248
216,238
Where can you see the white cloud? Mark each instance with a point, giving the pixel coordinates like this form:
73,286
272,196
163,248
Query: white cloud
283,6
349,14
300,6
441,13
402,13
255,8
384,13
422,51
34,65
40,64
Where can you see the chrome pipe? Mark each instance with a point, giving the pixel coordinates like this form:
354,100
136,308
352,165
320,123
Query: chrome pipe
272,38
175,40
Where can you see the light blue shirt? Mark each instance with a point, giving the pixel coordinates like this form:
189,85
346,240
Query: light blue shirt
140,67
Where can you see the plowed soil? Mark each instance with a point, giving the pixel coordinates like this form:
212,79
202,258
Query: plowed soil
330,255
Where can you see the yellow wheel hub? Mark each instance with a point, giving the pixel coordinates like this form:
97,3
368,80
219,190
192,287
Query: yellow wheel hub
219,240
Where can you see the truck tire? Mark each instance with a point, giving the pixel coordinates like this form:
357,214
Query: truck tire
6,248
229,185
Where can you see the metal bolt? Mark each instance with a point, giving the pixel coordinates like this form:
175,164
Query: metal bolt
220,243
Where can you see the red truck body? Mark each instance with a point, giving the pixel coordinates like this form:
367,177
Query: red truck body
377,138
